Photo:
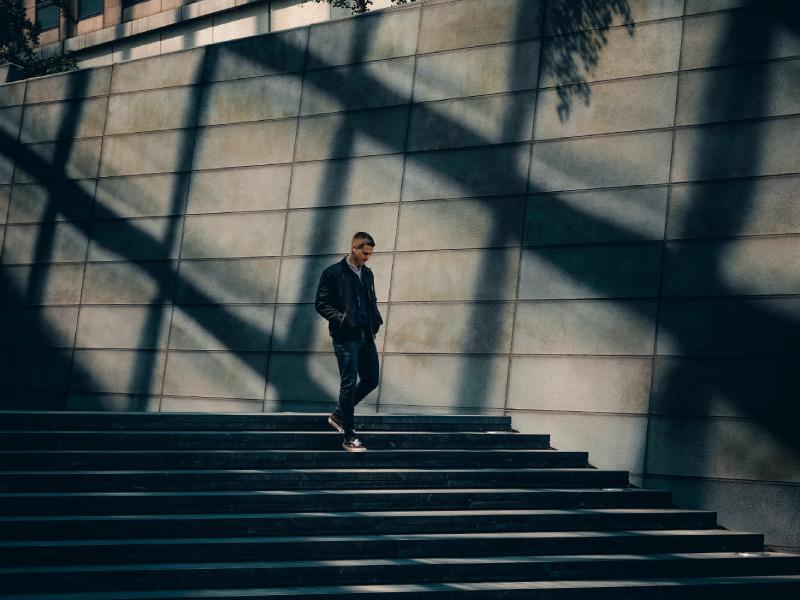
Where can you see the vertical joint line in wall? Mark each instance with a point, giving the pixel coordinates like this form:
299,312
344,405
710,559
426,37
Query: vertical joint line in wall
663,249
186,176
543,22
399,208
14,169
285,214
89,235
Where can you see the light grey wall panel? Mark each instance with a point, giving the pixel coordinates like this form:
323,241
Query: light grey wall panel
133,327
625,327
119,371
61,284
456,275
10,122
38,327
128,283
60,160
694,7
471,172
476,71
759,266
71,201
372,37
13,93
732,387
356,87
366,180
475,23
465,383
255,99
257,56
720,448
232,190
147,238
467,223
476,121
748,207
743,92
729,327
221,374
590,272
222,328
613,441
60,120
55,242
35,369
167,70
740,504
157,152
7,154
111,402
262,143
141,195
563,19
449,328
5,198
580,383
630,105
607,161
363,133
738,36
171,108
64,86
233,235
649,49
330,230
635,214
227,281
300,276
192,404
737,150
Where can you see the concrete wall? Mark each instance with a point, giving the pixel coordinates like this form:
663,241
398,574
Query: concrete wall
593,231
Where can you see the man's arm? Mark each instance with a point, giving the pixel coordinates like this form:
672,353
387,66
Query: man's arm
323,300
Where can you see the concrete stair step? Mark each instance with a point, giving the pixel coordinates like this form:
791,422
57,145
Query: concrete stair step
265,440
65,552
180,421
775,587
332,523
87,503
259,574
287,459
277,479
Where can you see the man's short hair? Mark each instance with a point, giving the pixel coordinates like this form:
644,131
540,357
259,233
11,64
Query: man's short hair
361,238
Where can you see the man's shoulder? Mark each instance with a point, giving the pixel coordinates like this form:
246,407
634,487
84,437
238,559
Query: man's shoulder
331,269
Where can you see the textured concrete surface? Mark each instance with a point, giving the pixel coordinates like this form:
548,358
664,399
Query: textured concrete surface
594,230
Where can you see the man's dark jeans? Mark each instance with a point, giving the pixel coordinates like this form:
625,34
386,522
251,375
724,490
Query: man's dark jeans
358,362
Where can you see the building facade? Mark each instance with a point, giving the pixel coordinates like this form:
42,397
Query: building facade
111,31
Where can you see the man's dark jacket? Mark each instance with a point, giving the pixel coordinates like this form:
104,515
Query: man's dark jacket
336,300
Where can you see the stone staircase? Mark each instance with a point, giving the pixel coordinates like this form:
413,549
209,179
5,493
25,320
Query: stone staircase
131,506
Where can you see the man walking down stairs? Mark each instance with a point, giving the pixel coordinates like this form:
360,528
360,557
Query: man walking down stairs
165,505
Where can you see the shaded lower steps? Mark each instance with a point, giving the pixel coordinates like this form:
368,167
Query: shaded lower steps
297,479
78,503
774,587
287,459
284,524
34,553
392,571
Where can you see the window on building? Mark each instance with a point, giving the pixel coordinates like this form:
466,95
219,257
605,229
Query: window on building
47,14
129,3
89,8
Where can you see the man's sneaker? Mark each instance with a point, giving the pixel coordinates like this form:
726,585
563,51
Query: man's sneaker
335,423
354,445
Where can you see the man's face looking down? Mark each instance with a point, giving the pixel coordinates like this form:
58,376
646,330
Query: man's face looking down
358,256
